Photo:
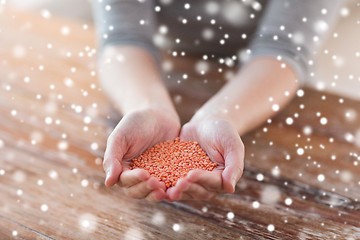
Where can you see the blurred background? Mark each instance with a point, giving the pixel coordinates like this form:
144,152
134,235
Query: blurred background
55,121
336,67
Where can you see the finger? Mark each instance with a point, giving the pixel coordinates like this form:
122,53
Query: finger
198,192
112,160
174,193
156,195
187,133
142,189
185,196
234,165
131,177
211,181
113,170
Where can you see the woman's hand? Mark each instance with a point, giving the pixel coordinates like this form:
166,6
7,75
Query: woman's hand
131,79
137,131
222,143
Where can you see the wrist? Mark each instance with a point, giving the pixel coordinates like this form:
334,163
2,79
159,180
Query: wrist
154,110
215,114
130,78
247,100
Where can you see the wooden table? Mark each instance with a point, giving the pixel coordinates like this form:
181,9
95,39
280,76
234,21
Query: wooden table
301,181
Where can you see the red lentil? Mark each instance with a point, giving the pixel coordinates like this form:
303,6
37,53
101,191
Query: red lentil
171,160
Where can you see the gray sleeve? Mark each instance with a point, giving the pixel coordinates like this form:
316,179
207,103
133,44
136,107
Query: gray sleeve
125,22
294,29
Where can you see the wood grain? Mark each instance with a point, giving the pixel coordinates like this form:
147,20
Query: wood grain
53,133
10,229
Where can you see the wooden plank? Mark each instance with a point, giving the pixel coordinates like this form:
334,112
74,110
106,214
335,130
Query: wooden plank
311,214
249,220
341,114
258,224
12,230
280,155
60,203
341,173
330,208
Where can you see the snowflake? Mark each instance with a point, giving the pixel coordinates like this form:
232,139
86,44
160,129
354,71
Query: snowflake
19,176
288,201
270,195
176,227
323,121
260,177
230,215
88,222
321,177
300,151
158,219
255,204
45,13
65,30
84,183
270,228
44,207
53,174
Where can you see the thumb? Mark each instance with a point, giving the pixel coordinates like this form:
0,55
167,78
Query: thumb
112,171
234,165
112,161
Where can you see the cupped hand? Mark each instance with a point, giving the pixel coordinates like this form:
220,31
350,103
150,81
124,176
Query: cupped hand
136,132
221,141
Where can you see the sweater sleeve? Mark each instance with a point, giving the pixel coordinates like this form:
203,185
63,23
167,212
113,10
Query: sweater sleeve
294,30
125,22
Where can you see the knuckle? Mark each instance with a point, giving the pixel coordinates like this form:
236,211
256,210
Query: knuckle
151,198
240,171
130,193
210,196
106,163
111,139
202,195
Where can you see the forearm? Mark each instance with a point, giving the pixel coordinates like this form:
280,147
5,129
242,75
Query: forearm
131,79
253,95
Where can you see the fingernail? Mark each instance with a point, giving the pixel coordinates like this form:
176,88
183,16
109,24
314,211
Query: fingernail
234,182
107,175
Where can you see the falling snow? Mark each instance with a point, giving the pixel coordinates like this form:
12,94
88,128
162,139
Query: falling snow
260,177
323,121
255,204
176,227
158,219
88,222
46,14
230,215
300,151
63,145
65,30
44,207
84,183
270,228
19,176
236,14
53,174
321,177
288,201
275,107
270,195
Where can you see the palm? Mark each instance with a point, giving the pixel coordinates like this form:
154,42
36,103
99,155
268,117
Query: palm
141,130
135,133
223,145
